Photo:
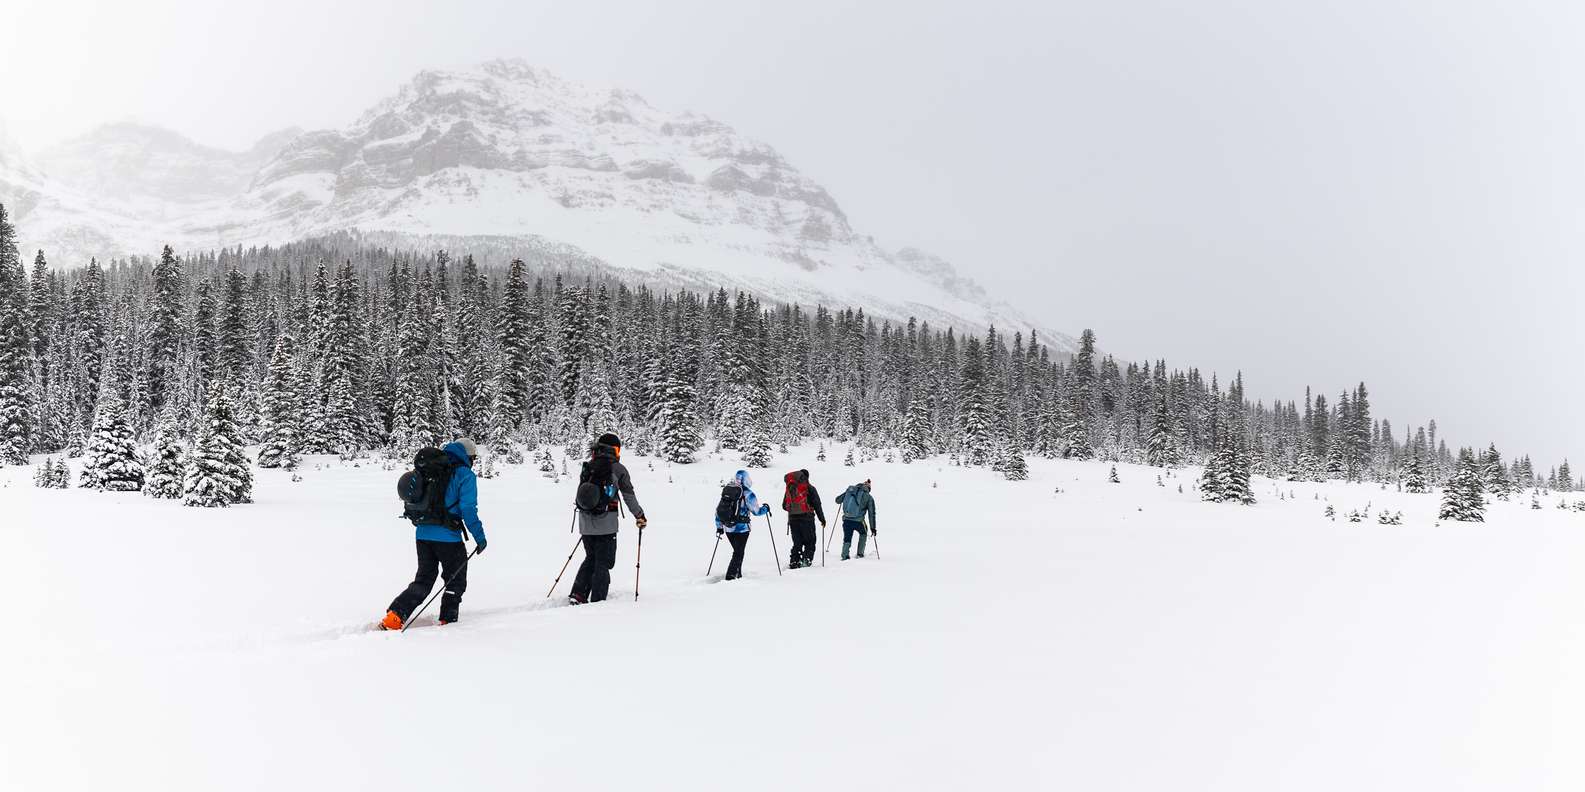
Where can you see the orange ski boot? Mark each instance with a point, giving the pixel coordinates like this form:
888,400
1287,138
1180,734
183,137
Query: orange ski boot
391,621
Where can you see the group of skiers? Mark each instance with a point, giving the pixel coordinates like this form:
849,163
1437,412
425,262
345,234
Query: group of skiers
441,498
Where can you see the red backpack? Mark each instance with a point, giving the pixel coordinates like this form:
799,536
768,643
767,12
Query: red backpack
796,501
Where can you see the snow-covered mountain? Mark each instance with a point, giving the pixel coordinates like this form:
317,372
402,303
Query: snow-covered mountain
501,152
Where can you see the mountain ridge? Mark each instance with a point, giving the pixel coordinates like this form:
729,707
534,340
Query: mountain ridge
503,150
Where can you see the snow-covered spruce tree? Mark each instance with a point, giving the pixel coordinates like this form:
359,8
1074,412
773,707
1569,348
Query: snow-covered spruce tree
52,474
16,387
1160,451
111,460
1238,472
1012,465
756,445
168,464
281,410
1494,476
1415,479
1461,498
916,429
1214,479
1112,476
214,477
678,426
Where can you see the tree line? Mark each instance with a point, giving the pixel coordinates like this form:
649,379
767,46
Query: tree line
173,365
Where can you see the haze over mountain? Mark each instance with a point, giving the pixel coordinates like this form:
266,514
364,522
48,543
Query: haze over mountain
501,157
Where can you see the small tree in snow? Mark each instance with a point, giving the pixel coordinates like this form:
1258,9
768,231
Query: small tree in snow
1112,477
53,475
217,474
1012,465
1461,498
112,458
169,465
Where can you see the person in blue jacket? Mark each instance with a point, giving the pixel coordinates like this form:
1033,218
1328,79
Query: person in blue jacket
441,548
748,507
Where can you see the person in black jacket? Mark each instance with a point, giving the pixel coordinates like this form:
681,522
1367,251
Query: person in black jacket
593,580
802,505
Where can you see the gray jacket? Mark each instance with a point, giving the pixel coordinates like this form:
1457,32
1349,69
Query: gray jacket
606,524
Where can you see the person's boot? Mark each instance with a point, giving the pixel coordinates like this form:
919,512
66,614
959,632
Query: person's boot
391,621
577,599
845,546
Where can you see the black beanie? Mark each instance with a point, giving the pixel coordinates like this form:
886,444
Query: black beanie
610,440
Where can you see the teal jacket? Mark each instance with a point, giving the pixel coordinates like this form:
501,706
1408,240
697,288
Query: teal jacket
462,499
856,502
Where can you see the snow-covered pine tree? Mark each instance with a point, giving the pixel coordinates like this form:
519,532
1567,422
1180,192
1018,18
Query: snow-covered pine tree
214,477
847,461
16,387
1494,475
53,474
1160,452
916,429
1415,477
678,425
1112,476
1214,479
168,462
1238,471
112,461
1461,498
756,445
281,410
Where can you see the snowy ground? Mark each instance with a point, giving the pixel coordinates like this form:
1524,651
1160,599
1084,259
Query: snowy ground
1112,636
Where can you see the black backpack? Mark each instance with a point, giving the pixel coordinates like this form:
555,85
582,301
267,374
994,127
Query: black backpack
597,483
726,512
423,489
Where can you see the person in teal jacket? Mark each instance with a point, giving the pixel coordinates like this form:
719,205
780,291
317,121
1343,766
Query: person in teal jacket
857,503
440,547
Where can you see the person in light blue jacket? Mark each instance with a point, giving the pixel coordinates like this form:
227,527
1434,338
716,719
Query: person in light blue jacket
440,546
736,530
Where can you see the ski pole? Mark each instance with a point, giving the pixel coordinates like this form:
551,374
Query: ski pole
638,561
775,554
406,623
876,538
823,554
830,530
576,543
712,555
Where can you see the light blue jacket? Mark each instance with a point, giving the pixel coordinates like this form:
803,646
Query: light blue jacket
747,508
462,499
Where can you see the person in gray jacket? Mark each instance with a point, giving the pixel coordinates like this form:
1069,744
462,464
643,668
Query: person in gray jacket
598,526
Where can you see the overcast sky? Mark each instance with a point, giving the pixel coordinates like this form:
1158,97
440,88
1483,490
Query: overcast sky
1319,193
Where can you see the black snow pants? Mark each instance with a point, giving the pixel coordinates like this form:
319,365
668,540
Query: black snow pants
804,538
445,558
734,568
594,574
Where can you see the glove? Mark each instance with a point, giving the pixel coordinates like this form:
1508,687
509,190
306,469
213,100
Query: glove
872,532
642,521
479,548
720,532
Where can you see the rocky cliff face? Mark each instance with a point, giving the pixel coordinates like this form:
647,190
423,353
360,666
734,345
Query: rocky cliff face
501,151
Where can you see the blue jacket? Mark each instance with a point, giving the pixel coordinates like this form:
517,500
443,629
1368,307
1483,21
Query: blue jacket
856,503
462,499
747,508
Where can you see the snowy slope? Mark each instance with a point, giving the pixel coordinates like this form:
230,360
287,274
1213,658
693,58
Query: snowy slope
1110,637
503,150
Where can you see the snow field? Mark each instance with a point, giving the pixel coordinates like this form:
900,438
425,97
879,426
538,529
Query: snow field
1112,636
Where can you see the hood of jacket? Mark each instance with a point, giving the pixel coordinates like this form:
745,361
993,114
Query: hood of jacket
459,451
